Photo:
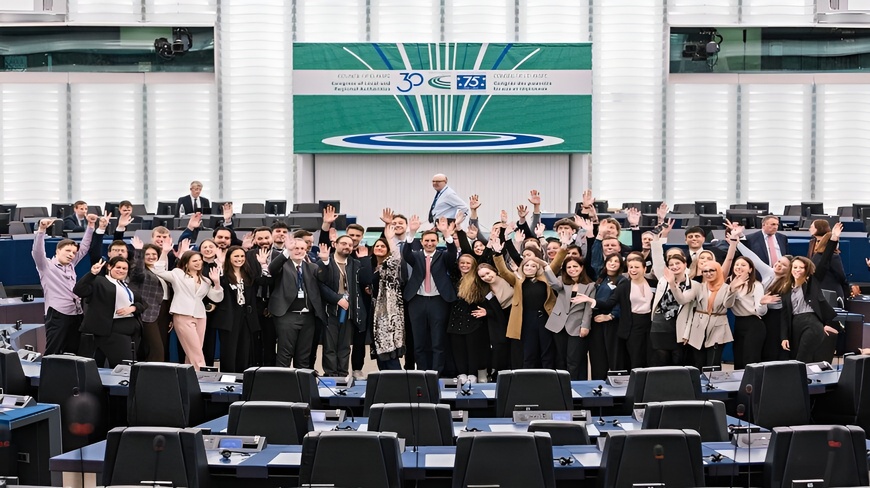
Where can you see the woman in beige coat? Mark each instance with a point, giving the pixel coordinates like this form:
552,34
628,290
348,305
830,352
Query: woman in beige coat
709,330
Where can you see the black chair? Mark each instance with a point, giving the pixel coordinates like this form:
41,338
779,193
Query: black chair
12,378
547,389
424,424
137,454
359,459
561,432
707,417
779,394
849,402
164,395
504,459
280,422
22,213
668,456
662,384
272,383
74,383
401,387
167,208
834,453
253,208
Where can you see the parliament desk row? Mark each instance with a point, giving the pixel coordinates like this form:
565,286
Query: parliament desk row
585,394
280,462
29,437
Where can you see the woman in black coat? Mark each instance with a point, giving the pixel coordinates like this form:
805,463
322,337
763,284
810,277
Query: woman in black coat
112,311
236,316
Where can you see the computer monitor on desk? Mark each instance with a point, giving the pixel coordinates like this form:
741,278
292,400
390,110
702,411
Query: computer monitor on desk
747,218
705,207
650,207
276,207
812,208
762,206
715,221
860,210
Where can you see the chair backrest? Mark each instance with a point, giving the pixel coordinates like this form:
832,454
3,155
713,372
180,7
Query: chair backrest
792,210
243,222
253,208
548,389
12,378
272,383
662,384
279,422
561,432
164,395
74,383
835,453
401,387
22,213
359,459
167,208
504,459
134,455
707,417
424,424
779,393
18,228
668,456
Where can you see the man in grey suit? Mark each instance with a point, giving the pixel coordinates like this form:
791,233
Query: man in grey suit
295,304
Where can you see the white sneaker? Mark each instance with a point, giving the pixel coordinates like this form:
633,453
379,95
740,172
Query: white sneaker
358,375
482,376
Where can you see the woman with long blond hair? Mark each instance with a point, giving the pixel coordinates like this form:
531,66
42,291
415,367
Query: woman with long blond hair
467,332
709,331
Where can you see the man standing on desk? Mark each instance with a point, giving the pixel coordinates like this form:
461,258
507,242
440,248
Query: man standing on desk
446,202
194,202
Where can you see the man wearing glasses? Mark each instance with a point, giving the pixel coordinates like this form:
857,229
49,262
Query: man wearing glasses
446,202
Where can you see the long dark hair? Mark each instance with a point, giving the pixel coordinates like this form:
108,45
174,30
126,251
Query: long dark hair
582,279
229,269
606,277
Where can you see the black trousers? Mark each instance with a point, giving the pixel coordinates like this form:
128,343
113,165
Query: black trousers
429,328
597,345
295,331
538,350
499,345
617,357
268,336
572,354
470,351
808,335
122,343
236,346
61,332
637,344
772,349
749,335
358,349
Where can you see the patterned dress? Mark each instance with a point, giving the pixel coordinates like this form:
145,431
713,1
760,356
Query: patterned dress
388,332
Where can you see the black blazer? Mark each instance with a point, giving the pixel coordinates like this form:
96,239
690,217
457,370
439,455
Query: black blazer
71,223
230,314
187,202
359,277
756,243
442,263
622,296
812,289
283,273
99,294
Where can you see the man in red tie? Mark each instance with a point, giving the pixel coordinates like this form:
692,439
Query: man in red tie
429,292
768,244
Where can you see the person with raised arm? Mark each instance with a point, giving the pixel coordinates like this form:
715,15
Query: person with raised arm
155,294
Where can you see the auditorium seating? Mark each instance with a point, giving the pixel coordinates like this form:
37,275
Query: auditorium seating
74,383
359,459
12,379
707,417
165,395
834,453
424,424
779,394
272,383
278,422
643,457
663,384
504,459
562,433
546,389
401,387
849,402
137,454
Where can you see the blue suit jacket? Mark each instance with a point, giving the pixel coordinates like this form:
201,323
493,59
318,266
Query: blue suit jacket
756,242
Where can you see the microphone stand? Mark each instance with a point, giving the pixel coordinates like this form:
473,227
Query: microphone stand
337,394
740,410
748,389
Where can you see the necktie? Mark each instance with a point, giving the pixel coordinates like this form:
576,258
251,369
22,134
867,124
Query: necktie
771,248
196,204
126,289
432,208
299,276
427,283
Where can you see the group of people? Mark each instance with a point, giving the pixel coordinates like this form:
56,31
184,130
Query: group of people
580,300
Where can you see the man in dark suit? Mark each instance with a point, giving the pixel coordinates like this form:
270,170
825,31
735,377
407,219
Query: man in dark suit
695,240
345,277
429,292
768,244
194,202
295,304
78,220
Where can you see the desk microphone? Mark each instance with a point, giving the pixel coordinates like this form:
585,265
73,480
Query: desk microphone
750,419
336,393
598,391
741,409
417,428
158,445
659,454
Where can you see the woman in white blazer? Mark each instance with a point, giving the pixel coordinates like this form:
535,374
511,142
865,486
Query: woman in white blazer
571,318
190,288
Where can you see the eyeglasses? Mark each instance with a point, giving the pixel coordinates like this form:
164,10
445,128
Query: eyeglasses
439,181
708,271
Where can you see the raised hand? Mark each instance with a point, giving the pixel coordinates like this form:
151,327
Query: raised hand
329,215
414,224
510,226
390,231
263,256
666,229
137,243
323,253
768,299
167,246
836,230
441,225
565,236
535,198
588,199
519,238
495,243
503,216
95,269
362,251
195,221
662,211
104,220
633,217
124,221
668,275
584,224
387,216
539,229
92,219
44,224
522,211
183,247
248,241
228,211
219,256
474,202
460,218
333,234
214,274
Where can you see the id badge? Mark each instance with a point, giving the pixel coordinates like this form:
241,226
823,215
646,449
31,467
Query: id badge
300,293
